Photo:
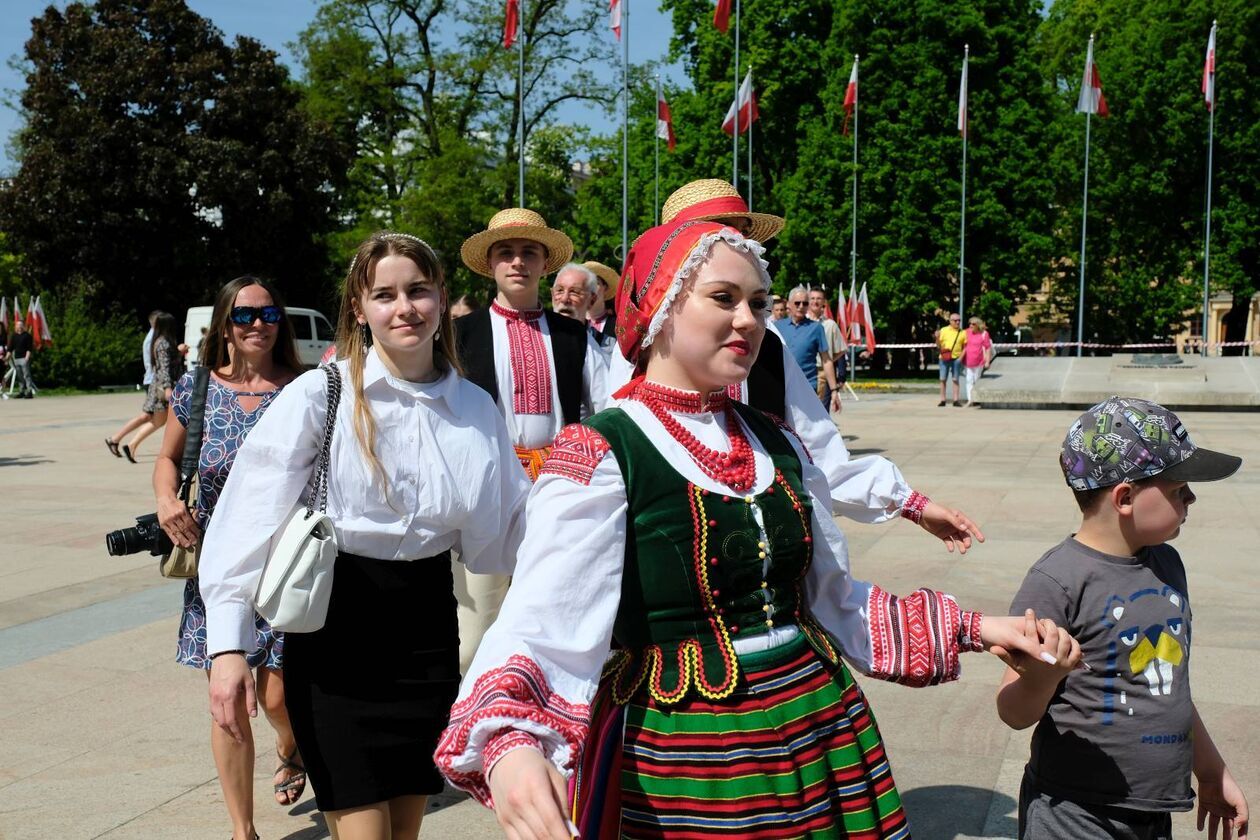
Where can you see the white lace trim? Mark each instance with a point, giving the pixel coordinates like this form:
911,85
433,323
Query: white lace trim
698,257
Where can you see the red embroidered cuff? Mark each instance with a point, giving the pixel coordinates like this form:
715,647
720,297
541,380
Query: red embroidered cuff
502,743
913,508
969,632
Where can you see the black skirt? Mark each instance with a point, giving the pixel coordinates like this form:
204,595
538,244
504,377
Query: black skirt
370,693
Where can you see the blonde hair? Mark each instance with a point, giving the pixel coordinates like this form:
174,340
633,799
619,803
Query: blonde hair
353,339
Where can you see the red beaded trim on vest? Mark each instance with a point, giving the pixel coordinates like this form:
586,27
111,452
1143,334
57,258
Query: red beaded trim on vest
527,352
575,454
913,508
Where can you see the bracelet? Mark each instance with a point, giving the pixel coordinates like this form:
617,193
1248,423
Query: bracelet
913,508
215,656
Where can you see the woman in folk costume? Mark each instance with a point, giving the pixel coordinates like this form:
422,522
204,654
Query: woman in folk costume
695,534
420,464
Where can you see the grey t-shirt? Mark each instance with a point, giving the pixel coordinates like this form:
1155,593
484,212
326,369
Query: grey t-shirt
1120,734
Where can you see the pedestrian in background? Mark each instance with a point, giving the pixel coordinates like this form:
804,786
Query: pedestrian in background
977,355
146,355
463,305
251,353
950,341
167,361
836,345
808,345
20,347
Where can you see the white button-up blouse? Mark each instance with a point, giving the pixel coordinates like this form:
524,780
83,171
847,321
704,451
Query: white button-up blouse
454,482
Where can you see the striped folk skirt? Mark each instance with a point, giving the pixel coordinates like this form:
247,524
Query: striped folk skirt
794,753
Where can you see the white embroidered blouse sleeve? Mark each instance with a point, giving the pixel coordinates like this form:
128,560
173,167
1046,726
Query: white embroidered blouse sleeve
536,671
595,377
271,470
915,640
491,533
869,489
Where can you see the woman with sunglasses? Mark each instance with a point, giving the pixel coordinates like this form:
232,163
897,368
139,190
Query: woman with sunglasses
250,351
420,464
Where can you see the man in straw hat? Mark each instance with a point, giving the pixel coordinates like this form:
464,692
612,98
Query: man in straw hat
601,318
869,489
540,367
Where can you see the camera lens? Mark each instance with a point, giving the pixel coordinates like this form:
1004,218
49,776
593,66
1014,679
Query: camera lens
124,541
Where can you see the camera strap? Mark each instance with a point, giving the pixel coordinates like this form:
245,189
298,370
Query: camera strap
193,433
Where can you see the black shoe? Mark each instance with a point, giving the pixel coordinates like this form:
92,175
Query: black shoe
957,403
941,404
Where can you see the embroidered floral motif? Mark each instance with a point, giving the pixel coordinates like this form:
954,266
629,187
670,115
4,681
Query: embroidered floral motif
514,696
575,453
916,640
531,367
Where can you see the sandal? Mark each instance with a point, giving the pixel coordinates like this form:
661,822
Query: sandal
295,784
127,451
113,447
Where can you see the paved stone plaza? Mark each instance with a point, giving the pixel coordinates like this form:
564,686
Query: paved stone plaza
103,735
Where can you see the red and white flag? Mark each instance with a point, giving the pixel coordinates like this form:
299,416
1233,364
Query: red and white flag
32,324
842,313
614,17
746,102
4,311
851,315
664,122
511,21
1091,100
17,312
1209,71
863,326
722,15
44,333
850,102
962,98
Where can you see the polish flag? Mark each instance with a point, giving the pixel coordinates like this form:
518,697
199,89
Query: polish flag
850,101
962,99
747,104
44,334
1091,100
851,314
17,311
1209,71
4,311
511,20
32,324
863,328
842,314
664,122
614,17
722,16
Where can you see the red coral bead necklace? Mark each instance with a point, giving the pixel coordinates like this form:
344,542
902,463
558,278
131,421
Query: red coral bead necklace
735,469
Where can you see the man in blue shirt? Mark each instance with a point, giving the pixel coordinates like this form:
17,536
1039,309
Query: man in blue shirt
808,343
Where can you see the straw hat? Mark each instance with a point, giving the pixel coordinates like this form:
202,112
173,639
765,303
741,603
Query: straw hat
607,274
715,200
516,223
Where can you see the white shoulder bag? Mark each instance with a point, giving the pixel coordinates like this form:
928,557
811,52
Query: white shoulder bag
296,580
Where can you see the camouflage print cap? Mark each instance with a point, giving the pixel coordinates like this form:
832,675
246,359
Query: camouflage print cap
1126,439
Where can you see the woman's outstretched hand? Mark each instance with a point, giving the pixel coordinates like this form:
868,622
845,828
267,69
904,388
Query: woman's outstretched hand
953,527
529,797
1028,645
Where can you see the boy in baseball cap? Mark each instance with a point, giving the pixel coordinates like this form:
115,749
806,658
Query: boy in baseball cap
1117,741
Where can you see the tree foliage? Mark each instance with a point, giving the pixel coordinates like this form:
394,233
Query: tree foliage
156,162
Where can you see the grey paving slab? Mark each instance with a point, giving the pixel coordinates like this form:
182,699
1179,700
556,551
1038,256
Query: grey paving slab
102,735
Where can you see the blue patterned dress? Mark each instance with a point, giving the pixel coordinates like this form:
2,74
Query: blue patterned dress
225,428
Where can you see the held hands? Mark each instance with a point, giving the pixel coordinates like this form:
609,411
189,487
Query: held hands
952,527
530,797
1222,805
177,522
230,678
1034,649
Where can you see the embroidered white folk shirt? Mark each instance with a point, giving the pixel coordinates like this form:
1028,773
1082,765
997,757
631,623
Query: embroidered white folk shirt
534,431
454,482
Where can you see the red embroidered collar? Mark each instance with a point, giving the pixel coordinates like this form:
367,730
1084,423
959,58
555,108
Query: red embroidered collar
515,314
679,401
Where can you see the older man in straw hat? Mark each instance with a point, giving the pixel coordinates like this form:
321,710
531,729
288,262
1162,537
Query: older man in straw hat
869,489
601,318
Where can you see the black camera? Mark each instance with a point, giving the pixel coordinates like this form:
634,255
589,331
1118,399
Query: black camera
147,534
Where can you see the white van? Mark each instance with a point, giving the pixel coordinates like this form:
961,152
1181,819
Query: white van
311,332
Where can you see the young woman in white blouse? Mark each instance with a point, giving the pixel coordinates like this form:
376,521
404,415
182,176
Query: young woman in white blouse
695,533
420,465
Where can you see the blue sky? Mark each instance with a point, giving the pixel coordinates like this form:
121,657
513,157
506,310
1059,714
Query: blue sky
278,22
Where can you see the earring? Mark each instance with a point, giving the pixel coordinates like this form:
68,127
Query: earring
367,335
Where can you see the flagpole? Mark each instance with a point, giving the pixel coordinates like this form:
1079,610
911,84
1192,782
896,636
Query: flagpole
656,133
520,134
735,133
751,94
962,226
1207,237
853,247
1080,305
625,126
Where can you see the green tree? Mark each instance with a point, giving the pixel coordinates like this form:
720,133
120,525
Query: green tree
156,161
1144,255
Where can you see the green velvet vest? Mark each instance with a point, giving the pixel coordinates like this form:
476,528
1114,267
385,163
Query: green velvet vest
702,569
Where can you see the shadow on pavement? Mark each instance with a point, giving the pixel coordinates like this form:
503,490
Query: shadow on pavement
947,812
24,461
318,829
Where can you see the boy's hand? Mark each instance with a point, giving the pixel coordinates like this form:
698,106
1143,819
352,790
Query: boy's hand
1222,805
1031,648
951,526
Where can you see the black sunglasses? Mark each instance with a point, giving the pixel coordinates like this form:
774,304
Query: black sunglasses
243,316
800,303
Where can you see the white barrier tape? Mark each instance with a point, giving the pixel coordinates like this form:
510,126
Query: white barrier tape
1041,345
